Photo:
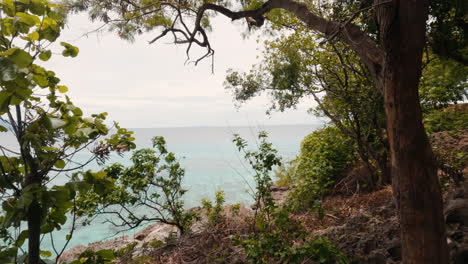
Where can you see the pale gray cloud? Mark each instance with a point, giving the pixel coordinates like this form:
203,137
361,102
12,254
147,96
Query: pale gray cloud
142,85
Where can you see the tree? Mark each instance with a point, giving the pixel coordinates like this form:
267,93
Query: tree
387,35
48,130
443,82
150,190
293,68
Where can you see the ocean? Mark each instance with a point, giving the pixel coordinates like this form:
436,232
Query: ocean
211,162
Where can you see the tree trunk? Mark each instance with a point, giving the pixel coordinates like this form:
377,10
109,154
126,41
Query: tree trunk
415,183
33,217
34,228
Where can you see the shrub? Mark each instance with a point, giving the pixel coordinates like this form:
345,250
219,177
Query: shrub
322,251
103,256
445,120
276,237
285,174
148,190
325,154
214,212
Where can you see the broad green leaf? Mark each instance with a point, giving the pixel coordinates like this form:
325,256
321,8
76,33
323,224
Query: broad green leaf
3,129
25,199
100,175
40,80
50,33
21,238
33,36
15,100
8,70
8,7
45,56
28,19
38,7
45,254
21,58
4,101
77,111
70,50
9,52
62,88
47,228
50,149
60,164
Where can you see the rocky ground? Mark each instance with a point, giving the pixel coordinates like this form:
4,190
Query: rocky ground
363,226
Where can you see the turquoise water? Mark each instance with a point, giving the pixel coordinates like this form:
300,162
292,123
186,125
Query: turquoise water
211,162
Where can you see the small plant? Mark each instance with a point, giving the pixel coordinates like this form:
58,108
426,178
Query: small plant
286,174
322,251
235,209
156,243
125,250
262,162
214,212
104,256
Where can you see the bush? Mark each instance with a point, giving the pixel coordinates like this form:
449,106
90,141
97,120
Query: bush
325,154
148,190
214,212
276,238
448,119
285,174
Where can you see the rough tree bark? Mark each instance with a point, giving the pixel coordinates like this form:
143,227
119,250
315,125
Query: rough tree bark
415,183
34,228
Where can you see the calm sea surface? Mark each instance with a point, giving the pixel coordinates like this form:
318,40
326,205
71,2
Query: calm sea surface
211,163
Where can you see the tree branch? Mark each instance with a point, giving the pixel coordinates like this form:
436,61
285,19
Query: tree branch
351,34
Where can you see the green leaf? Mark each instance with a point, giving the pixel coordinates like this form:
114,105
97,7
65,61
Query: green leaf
21,58
28,19
50,149
3,129
47,228
8,6
38,7
41,80
34,36
70,50
25,199
8,70
45,254
107,254
60,164
15,100
62,88
77,111
21,238
45,56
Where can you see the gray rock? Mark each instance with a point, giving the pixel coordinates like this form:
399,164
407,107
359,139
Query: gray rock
457,212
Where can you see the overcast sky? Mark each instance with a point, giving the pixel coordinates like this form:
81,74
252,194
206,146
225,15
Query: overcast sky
142,85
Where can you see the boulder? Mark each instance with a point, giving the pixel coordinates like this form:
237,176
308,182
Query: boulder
456,211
